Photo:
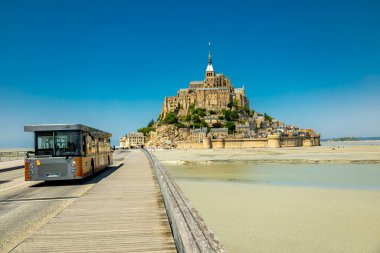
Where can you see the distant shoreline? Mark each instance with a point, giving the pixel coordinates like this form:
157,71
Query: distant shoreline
342,154
273,161
15,149
344,139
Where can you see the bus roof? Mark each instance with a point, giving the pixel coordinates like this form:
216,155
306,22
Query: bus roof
62,127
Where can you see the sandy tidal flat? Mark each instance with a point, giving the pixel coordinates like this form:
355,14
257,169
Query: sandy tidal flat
261,218
322,154
255,200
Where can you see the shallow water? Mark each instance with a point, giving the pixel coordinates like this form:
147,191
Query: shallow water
354,176
287,207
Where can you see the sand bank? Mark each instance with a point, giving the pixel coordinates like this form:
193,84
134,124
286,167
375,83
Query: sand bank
261,218
251,217
321,154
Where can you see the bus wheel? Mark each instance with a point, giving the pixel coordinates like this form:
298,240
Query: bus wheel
92,168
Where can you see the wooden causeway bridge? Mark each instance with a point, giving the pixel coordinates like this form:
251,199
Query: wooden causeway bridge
122,213
137,208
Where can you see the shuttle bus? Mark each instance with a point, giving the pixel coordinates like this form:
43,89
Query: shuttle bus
64,152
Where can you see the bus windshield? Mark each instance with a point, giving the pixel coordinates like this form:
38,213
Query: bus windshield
58,143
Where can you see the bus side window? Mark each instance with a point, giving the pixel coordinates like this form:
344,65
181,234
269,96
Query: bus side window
89,145
93,149
84,146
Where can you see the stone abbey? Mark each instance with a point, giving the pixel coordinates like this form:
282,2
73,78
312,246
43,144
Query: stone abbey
215,92
212,113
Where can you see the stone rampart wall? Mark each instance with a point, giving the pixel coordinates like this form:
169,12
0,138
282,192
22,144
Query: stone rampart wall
291,142
271,141
191,145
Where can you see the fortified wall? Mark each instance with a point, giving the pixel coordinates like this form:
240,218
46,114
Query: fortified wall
272,141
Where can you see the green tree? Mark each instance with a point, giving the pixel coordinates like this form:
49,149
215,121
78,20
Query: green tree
234,115
229,105
200,111
235,103
191,108
267,117
203,123
227,114
195,118
188,118
179,125
151,123
145,130
171,118
231,127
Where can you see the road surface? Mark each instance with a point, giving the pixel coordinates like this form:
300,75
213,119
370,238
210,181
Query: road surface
26,206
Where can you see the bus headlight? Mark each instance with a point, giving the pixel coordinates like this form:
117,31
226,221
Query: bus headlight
31,172
74,171
73,164
31,165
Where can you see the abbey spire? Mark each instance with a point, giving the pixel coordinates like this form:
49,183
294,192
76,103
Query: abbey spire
210,73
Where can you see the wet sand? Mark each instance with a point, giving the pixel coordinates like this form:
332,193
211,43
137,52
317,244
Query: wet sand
328,153
251,216
261,218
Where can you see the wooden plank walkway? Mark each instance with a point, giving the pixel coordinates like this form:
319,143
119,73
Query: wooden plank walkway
122,213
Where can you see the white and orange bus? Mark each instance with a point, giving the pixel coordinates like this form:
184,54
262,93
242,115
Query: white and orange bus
67,151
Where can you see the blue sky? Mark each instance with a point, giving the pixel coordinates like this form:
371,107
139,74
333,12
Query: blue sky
109,64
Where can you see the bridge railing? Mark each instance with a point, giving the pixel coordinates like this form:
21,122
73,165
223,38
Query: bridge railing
12,155
190,231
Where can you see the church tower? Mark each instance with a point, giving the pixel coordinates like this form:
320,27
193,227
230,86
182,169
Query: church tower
210,73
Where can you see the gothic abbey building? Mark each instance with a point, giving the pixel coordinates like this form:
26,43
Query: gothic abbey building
215,92
226,120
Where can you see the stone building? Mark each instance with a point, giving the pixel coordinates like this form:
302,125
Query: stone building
219,132
198,134
123,142
132,140
215,92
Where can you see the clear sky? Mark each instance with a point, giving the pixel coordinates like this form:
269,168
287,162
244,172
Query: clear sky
109,64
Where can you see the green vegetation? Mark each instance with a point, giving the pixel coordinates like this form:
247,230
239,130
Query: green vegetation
180,125
231,116
267,117
235,104
196,119
151,123
171,118
249,111
149,128
188,118
199,111
201,123
231,126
